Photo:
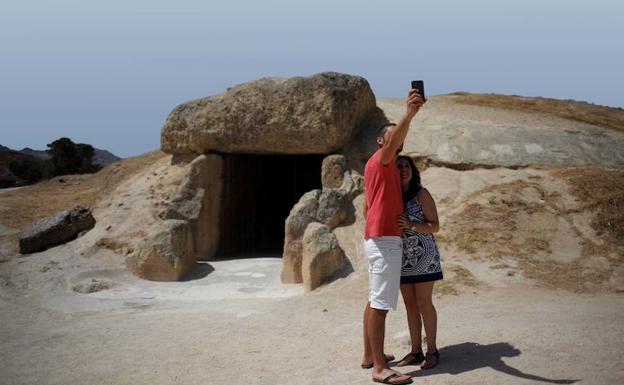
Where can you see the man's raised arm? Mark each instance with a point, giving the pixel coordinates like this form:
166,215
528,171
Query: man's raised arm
397,136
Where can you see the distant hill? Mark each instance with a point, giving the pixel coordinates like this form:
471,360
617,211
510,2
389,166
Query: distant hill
41,154
8,155
101,157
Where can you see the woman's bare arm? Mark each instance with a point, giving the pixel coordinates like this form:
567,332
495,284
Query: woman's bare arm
431,225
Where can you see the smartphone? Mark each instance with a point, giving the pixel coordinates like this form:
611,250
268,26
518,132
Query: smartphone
420,86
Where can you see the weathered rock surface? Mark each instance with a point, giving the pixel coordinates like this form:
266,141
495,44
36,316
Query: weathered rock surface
322,256
333,209
332,171
464,137
167,255
56,229
300,115
352,184
197,201
329,207
301,215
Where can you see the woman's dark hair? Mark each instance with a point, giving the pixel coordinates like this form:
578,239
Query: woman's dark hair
414,184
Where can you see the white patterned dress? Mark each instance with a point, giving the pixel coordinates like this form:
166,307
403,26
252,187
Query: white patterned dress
421,259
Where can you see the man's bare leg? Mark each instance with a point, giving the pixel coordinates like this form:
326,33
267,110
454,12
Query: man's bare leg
376,331
368,354
367,358
376,327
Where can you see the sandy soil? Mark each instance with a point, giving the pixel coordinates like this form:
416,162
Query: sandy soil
238,325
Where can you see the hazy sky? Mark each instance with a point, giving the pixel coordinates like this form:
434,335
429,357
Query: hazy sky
109,72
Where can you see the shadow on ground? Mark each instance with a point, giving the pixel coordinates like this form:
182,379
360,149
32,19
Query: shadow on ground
200,271
467,356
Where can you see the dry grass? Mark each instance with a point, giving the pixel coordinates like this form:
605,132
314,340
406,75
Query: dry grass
26,205
463,276
567,276
445,287
494,228
491,226
602,193
37,201
607,117
460,277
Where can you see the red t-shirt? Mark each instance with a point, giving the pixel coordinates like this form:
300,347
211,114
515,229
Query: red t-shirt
384,201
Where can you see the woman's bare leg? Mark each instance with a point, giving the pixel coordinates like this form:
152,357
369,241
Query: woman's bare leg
424,292
408,292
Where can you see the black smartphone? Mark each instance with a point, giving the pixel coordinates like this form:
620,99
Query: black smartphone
420,86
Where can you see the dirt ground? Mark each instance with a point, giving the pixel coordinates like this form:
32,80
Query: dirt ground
260,333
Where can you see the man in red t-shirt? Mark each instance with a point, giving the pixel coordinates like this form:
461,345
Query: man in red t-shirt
383,247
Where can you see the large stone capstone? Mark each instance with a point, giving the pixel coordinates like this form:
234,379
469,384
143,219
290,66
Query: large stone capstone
301,115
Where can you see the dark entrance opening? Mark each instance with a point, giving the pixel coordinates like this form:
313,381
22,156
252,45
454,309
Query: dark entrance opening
258,193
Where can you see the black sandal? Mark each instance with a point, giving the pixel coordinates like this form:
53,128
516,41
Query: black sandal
412,359
435,356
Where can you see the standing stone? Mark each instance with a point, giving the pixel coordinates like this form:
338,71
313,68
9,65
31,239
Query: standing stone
302,214
322,256
333,207
332,171
352,184
167,255
56,229
318,114
197,201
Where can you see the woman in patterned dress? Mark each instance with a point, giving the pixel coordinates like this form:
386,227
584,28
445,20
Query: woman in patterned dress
421,264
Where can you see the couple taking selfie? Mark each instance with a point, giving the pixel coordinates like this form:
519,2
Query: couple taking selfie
401,218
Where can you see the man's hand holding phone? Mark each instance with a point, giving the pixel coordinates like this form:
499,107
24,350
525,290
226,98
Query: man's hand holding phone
414,102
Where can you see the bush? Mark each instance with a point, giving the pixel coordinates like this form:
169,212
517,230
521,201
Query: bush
66,157
31,169
72,158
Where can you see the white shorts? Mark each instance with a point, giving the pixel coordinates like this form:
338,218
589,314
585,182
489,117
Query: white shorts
384,256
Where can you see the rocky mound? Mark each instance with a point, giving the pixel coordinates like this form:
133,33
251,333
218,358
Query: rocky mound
503,221
451,132
505,227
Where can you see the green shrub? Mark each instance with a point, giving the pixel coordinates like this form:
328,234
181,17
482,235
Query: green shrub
31,169
72,158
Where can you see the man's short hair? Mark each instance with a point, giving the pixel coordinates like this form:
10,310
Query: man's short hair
383,129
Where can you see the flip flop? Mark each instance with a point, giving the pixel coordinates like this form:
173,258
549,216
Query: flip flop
389,357
390,377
